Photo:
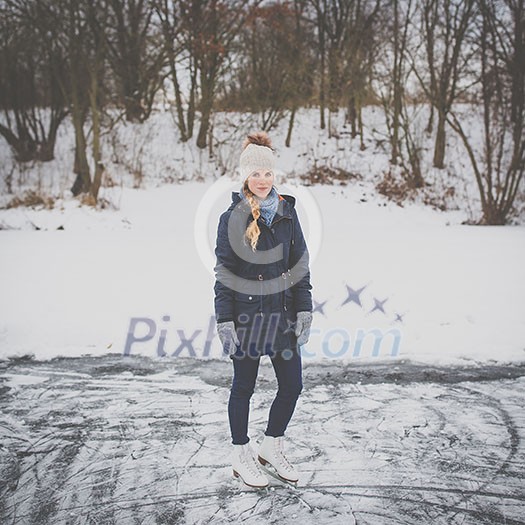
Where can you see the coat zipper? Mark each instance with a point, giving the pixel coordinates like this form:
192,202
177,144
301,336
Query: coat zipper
284,275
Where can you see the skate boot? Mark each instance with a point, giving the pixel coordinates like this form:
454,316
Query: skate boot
271,451
246,467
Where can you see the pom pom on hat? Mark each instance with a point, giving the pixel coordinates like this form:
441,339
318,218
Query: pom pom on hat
257,154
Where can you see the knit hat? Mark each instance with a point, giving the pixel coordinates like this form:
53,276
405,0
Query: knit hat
257,154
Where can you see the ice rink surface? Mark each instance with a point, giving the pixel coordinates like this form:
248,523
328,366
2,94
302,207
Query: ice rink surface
136,440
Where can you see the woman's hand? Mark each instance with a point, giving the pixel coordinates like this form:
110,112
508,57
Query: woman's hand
302,327
228,337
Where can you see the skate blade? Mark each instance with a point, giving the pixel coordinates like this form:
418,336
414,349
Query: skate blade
270,469
237,475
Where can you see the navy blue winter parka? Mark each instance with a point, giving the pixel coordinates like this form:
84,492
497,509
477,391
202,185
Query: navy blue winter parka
262,291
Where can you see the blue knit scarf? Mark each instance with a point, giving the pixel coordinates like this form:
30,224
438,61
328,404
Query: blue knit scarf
268,206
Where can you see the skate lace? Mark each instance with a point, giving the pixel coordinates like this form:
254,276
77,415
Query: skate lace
249,460
282,458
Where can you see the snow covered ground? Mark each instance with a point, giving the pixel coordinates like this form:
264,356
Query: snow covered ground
447,292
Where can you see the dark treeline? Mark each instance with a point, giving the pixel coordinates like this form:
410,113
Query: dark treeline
84,59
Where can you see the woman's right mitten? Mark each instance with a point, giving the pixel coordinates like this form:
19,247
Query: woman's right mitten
228,337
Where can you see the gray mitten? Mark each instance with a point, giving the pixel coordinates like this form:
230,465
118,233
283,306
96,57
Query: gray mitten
302,327
228,336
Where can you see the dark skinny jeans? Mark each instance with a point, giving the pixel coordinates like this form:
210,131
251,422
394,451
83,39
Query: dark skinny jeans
289,380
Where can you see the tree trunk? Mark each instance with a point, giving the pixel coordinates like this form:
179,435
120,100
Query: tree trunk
360,124
47,148
322,87
134,109
430,123
397,90
352,115
81,168
178,103
206,107
290,127
46,151
191,104
21,148
95,117
439,146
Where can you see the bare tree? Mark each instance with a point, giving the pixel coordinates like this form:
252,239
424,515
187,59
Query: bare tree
359,51
302,66
394,72
77,27
445,29
136,54
320,8
264,73
30,69
334,15
345,39
213,25
181,62
499,168
396,100
272,77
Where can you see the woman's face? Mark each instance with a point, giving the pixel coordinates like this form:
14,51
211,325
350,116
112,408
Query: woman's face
260,183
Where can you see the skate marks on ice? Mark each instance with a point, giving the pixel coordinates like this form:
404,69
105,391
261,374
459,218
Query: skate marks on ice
112,440
81,444
424,453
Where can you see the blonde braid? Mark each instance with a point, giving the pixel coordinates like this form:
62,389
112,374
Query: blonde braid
252,231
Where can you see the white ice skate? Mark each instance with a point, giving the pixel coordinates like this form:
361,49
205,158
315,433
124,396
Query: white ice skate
271,452
246,466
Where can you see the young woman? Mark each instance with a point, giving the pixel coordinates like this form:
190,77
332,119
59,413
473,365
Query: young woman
263,306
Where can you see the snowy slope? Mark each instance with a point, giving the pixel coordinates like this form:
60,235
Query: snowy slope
142,266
